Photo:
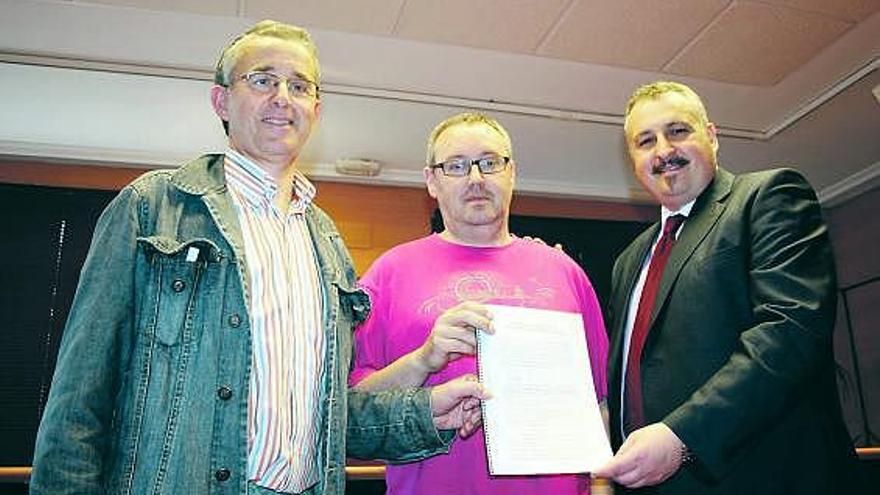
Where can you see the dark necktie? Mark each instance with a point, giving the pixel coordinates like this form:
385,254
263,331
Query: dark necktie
634,413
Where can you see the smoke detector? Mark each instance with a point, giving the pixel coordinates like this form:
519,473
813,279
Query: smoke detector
362,167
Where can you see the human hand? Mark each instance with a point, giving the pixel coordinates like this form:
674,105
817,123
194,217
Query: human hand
456,405
453,335
541,241
649,456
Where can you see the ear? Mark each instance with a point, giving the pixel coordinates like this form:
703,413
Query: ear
512,171
713,135
430,181
219,97
318,109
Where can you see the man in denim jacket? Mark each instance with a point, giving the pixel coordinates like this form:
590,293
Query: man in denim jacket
209,342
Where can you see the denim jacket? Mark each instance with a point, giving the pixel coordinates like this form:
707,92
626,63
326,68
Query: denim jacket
151,385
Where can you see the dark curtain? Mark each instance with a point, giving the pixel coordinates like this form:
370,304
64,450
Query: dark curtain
44,238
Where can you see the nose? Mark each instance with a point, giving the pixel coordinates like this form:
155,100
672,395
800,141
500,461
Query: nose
663,147
474,174
281,96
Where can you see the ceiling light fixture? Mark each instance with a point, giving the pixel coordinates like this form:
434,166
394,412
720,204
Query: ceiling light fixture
362,167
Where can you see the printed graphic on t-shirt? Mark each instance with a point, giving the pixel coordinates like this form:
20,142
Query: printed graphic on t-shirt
485,286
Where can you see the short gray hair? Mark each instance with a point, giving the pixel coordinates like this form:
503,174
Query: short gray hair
466,118
263,29
657,89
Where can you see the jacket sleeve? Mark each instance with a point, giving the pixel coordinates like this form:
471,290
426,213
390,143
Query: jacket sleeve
791,280
72,446
393,425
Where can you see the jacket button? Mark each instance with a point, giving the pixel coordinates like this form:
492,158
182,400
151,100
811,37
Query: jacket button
225,393
221,474
178,285
235,321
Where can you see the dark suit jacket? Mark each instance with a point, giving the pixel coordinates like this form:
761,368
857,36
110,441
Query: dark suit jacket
738,360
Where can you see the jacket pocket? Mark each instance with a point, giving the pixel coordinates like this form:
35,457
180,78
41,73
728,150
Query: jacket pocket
177,268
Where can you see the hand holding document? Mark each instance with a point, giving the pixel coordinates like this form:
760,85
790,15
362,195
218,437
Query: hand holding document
543,417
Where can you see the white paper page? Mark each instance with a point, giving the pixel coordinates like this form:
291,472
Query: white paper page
543,417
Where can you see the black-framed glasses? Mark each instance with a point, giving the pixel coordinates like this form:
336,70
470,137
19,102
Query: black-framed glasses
461,166
267,82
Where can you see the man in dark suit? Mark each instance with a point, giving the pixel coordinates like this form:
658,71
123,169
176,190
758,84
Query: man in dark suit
721,372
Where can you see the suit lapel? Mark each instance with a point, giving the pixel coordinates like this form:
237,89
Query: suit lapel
700,222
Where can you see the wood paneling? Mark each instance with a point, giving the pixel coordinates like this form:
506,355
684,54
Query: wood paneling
370,218
68,175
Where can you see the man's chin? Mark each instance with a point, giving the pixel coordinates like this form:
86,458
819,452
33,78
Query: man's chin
481,216
286,148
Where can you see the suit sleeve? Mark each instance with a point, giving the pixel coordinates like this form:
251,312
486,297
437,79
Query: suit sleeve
788,342
72,441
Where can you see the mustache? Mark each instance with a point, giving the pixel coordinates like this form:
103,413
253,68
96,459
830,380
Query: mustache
671,163
477,191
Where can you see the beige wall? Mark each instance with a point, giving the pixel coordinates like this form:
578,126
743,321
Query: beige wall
855,234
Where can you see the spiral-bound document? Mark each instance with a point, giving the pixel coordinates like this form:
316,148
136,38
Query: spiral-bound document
543,416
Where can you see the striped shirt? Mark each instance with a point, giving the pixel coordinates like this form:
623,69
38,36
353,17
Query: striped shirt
286,327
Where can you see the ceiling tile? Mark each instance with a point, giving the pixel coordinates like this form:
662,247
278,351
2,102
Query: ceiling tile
506,25
635,33
851,10
356,16
757,44
214,7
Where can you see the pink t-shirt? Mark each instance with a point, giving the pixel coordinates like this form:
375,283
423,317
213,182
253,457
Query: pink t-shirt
412,284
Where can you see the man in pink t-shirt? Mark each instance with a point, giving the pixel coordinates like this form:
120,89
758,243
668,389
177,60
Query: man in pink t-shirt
427,300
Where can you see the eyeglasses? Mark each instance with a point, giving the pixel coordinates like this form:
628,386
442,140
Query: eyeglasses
461,166
267,82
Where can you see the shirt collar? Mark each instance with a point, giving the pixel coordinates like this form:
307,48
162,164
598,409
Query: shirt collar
684,210
259,188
